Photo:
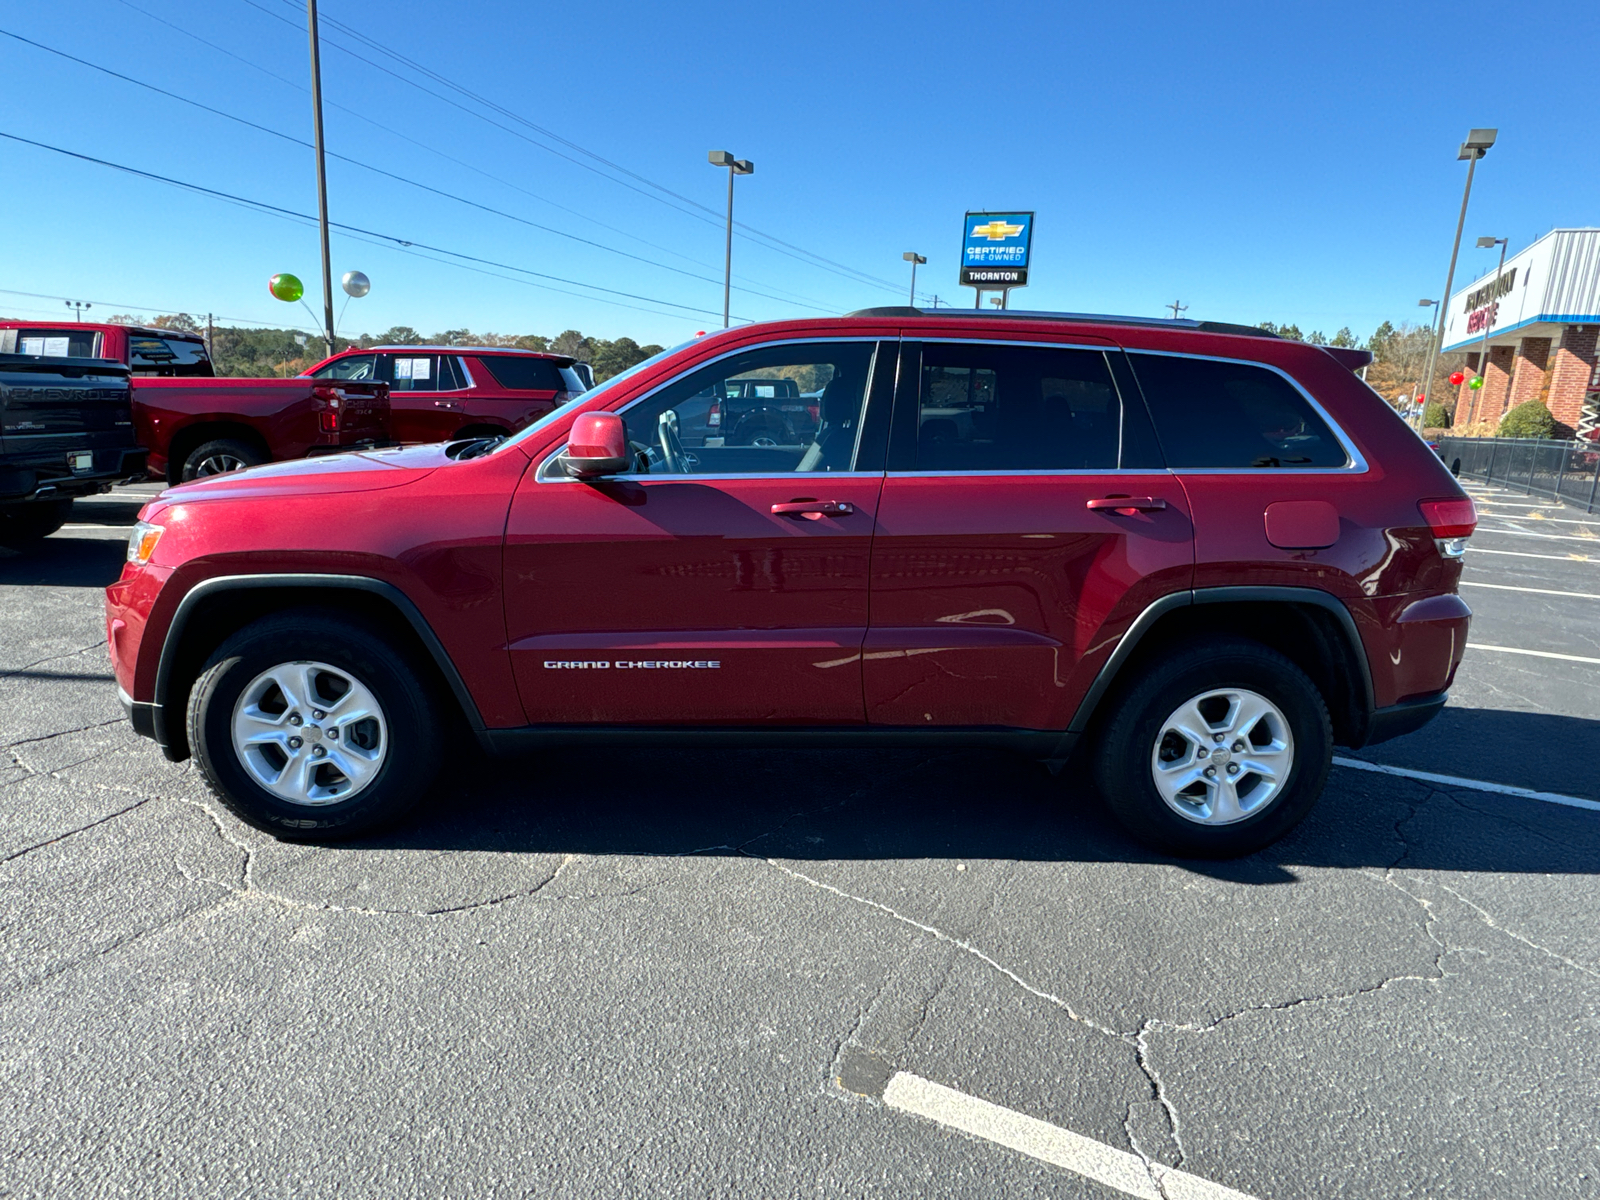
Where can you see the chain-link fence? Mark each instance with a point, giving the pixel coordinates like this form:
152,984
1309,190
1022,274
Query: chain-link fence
1566,471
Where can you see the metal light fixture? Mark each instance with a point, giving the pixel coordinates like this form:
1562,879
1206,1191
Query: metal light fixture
1475,147
912,257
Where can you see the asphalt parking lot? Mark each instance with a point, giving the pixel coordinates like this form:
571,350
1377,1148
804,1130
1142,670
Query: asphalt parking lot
808,973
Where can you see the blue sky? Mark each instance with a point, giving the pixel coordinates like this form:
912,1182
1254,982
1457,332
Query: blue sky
1285,162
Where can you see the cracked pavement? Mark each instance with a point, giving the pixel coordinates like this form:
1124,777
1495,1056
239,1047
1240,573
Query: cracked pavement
696,979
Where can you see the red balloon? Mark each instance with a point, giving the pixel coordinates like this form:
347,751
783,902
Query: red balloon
1458,377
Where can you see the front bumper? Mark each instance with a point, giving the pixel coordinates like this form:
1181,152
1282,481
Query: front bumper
149,720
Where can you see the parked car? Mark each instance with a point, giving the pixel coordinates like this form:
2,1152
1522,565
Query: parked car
66,430
195,423
751,412
1179,560
445,393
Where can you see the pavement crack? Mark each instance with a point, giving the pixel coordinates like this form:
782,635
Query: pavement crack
961,944
45,737
61,837
1158,1092
52,658
1488,919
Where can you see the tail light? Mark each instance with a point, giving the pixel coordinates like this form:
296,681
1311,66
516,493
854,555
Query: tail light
714,415
328,418
814,412
1451,522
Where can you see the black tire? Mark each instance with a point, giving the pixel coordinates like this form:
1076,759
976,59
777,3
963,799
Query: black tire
219,456
21,525
1128,745
414,727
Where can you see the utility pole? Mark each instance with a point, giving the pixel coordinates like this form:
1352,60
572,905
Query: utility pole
322,172
210,333
736,166
1176,308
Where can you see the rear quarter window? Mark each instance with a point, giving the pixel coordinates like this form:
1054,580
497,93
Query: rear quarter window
149,354
1214,413
513,372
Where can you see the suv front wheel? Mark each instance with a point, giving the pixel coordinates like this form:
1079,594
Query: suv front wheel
1216,751
306,724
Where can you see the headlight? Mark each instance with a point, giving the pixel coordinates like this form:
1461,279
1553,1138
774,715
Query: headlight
142,542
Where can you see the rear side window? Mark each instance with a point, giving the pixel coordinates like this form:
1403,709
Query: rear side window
513,372
1212,413
152,355
988,407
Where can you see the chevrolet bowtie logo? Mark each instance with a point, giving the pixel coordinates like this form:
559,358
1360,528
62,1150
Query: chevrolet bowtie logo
996,231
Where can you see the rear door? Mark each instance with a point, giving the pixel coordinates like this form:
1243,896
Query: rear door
1004,570
714,584
418,410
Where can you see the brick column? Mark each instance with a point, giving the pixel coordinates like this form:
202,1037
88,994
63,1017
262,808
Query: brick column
1496,391
1467,399
1571,371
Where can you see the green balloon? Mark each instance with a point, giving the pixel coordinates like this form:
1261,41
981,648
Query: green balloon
286,287
1477,382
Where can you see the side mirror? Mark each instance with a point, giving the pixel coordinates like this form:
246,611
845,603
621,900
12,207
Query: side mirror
597,446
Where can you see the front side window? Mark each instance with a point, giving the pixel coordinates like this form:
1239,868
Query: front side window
353,367
991,407
748,414
1214,413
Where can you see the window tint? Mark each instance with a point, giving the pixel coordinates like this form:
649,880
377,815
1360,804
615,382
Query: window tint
51,343
357,366
527,374
717,421
149,354
414,373
990,407
452,375
1210,413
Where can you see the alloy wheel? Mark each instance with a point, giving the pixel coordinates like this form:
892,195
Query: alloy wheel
310,733
1222,756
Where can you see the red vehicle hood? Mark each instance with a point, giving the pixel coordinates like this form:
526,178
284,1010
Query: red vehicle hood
365,472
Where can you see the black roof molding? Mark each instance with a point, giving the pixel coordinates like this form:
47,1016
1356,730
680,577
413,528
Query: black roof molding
902,310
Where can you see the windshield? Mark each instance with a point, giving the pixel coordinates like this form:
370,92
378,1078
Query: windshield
585,397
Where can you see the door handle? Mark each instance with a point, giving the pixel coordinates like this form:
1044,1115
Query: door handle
813,509
1128,505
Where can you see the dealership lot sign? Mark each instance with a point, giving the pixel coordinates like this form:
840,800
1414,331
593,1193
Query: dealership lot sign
995,249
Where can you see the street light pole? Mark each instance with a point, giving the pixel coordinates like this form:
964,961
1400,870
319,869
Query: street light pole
1427,366
1486,243
1475,147
912,257
736,166
322,171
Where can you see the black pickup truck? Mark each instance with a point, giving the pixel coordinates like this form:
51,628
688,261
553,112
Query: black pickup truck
66,430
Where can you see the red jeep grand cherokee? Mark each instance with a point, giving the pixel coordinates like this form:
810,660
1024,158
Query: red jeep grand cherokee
1196,554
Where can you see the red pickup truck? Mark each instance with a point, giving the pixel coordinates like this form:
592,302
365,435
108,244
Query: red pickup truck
194,423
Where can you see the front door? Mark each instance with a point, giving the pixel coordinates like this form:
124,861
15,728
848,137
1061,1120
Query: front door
1004,568
714,584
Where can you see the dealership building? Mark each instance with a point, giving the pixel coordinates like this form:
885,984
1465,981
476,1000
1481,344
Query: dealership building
1542,318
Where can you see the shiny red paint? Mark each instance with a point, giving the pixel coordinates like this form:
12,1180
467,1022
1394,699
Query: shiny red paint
860,599
485,406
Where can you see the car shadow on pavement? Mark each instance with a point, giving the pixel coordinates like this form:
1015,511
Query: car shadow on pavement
958,805
62,560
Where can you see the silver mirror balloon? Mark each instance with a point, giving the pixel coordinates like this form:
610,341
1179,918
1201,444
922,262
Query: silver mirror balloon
356,285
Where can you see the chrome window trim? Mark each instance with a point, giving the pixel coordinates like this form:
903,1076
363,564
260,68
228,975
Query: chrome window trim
543,474
1357,464
1026,474
461,365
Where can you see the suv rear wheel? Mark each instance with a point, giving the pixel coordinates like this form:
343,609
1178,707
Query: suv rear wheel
307,725
1218,750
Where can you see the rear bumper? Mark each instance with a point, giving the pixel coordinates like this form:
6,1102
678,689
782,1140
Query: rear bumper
1405,717
54,479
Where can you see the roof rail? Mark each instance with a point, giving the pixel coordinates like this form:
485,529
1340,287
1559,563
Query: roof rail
903,310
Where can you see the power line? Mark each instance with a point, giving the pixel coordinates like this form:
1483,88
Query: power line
712,216
387,174
262,206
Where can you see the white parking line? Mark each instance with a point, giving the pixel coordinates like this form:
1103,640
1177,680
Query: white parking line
1548,537
1533,653
1506,587
1477,785
1542,518
1118,1169
1568,557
